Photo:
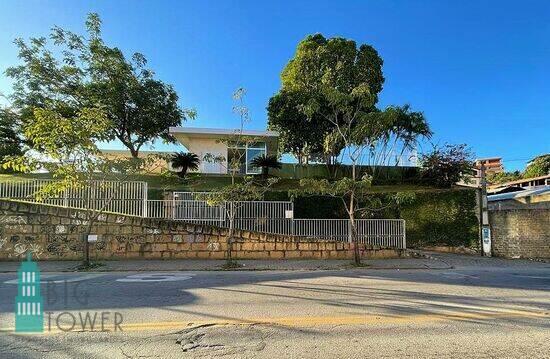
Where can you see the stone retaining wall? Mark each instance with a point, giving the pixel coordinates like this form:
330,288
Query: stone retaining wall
55,233
521,233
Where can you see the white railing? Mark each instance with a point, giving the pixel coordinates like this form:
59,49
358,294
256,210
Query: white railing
334,229
274,217
385,233
185,210
247,209
129,197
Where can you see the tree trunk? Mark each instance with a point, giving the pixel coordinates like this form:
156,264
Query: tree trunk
230,233
86,261
265,172
355,241
133,151
351,211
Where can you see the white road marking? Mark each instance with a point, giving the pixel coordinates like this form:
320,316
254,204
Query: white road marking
44,278
155,277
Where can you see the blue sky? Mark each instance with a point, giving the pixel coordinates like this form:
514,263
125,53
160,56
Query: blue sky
479,70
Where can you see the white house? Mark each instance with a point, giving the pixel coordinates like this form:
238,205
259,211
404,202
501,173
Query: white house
214,142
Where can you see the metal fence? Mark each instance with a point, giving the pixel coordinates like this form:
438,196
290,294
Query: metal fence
129,197
277,218
384,233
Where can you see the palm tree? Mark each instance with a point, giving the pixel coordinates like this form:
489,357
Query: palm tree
266,162
185,161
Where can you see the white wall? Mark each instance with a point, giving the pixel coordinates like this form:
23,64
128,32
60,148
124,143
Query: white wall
203,146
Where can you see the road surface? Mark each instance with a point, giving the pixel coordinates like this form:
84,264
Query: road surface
468,312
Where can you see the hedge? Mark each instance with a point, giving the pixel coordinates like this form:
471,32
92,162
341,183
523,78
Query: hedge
434,217
442,217
384,175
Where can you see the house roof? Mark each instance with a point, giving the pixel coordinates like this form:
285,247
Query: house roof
521,194
200,132
488,158
511,183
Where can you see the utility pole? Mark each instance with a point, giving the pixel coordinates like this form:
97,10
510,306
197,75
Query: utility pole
484,228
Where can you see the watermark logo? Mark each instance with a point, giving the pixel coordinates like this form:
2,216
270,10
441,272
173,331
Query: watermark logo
61,294
29,305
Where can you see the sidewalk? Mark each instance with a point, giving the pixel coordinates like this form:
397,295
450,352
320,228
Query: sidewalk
211,265
417,260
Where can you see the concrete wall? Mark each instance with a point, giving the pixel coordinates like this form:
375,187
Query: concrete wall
520,230
203,146
55,233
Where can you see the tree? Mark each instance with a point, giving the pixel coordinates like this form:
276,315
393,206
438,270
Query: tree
342,83
232,197
298,135
69,152
446,166
266,162
185,161
11,143
82,71
318,63
236,141
503,177
538,166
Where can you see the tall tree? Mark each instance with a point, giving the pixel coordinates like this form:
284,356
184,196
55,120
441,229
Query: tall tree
317,63
73,71
11,143
365,135
342,83
68,144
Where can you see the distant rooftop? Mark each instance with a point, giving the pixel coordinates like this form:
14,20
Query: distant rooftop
520,194
488,158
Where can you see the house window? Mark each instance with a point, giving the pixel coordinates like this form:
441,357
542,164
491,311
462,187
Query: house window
243,154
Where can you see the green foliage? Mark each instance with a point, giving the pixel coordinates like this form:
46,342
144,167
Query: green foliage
11,143
299,135
340,188
442,218
446,166
538,166
341,84
319,65
185,161
503,177
247,190
73,72
67,145
265,162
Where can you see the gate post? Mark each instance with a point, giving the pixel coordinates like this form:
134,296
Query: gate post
145,202
404,234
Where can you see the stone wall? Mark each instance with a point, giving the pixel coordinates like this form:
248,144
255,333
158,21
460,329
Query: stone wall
55,233
520,231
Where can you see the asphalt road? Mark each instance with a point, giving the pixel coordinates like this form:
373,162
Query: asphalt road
468,312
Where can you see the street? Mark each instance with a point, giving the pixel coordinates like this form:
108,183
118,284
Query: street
473,310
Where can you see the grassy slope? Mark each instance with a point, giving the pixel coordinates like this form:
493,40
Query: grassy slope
205,183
